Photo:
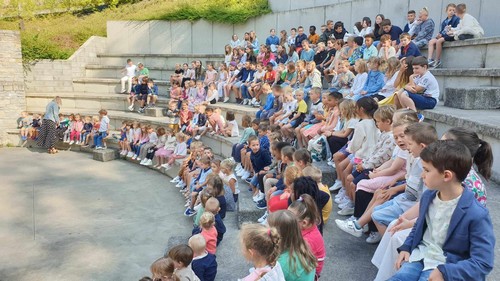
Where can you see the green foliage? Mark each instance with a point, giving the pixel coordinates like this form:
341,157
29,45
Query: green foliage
58,36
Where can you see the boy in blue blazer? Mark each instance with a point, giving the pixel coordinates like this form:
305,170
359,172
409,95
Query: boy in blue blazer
453,237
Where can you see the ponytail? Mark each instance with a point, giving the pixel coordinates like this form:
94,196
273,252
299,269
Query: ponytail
306,209
266,241
484,159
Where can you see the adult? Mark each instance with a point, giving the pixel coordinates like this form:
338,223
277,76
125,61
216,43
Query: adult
423,29
272,41
47,138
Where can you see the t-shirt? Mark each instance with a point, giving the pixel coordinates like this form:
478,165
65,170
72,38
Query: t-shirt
289,107
144,72
210,236
414,182
131,70
313,238
327,209
307,55
300,274
205,267
429,82
181,149
235,132
302,107
104,124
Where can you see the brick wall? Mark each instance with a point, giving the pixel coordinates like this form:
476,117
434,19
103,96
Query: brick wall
12,96
48,76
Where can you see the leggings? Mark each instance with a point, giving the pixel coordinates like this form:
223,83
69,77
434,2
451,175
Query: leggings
151,153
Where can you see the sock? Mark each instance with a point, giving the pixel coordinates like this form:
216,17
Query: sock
356,225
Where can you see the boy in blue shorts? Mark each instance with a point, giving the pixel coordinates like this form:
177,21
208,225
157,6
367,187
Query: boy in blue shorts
453,237
418,136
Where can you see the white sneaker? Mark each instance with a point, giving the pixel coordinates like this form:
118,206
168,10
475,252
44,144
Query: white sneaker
253,101
134,157
347,210
77,142
226,99
130,154
167,167
245,175
149,162
258,197
349,227
198,137
374,238
143,161
131,108
188,203
98,147
240,172
331,163
344,202
336,186
180,184
197,207
263,218
138,159
341,194
176,180
71,142
238,167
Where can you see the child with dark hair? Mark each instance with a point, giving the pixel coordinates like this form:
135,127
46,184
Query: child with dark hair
357,53
182,255
453,237
237,150
162,270
261,159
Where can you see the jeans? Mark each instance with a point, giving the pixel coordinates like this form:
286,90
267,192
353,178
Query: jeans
244,91
412,271
98,138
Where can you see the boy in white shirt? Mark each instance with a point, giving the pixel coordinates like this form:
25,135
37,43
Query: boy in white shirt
129,72
422,92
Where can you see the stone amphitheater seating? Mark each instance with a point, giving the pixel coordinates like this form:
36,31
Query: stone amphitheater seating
469,79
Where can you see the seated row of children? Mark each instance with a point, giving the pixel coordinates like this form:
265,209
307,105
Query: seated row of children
29,125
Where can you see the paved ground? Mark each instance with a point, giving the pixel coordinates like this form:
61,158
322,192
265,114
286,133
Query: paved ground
68,217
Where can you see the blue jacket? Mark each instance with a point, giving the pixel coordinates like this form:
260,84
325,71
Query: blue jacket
269,101
374,82
260,159
205,268
469,247
453,22
411,50
272,40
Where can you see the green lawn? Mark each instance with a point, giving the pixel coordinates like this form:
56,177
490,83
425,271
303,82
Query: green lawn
57,37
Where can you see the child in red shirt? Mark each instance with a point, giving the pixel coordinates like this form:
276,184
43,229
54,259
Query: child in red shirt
208,231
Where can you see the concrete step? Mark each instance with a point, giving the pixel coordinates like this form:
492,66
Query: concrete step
486,123
159,60
466,77
110,71
110,85
472,53
473,98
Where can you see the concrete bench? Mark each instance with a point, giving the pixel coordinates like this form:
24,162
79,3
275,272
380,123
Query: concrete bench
104,155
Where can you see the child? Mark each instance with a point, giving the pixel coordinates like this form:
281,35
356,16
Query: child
210,75
296,259
124,141
269,101
451,21
180,150
370,50
261,246
143,94
197,185
159,143
185,116
182,255
231,128
408,48
468,27
391,74
212,94
342,79
306,212
212,206
222,81
386,51
76,127
201,94
95,126
204,264
279,199
103,130
65,126
422,92
152,93
315,116
35,126
175,94
289,105
25,125
265,114
375,80
164,152
246,122
316,174
129,71
215,187
142,139
230,183
297,116
132,96
199,122
215,122
152,138
446,242
417,136
359,80
260,159
133,138
163,269
208,231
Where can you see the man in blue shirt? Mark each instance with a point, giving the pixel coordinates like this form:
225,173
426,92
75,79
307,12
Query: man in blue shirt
273,41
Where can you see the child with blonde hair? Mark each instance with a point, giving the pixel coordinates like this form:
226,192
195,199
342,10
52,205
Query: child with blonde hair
204,264
164,152
124,141
230,182
152,139
375,79
342,78
25,125
261,246
361,68
316,174
208,231
163,270
180,150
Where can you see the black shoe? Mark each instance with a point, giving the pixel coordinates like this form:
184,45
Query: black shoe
262,204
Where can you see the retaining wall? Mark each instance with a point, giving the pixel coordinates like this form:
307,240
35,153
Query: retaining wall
202,37
12,96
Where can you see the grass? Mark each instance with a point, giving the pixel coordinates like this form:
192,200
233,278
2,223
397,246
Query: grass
59,36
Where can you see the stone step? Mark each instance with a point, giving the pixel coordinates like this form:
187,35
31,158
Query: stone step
473,98
466,77
486,123
110,85
110,71
472,53
159,60
104,155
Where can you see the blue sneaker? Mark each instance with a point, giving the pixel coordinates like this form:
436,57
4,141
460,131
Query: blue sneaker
262,204
420,117
24,138
189,212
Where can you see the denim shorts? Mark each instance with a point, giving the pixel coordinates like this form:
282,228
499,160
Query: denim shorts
344,151
422,102
255,180
387,212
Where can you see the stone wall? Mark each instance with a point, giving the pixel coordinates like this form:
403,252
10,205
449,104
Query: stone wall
12,96
202,37
52,76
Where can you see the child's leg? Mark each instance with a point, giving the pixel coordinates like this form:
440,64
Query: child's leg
412,271
23,132
341,167
194,194
439,48
384,214
431,45
347,171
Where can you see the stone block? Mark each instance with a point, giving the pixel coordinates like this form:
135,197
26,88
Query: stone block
104,155
115,32
138,38
202,44
221,33
313,16
263,24
155,112
280,5
287,20
181,37
473,98
160,37
489,18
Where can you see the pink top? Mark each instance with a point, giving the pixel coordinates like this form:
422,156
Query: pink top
217,120
210,236
210,76
315,240
176,93
77,125
144,138
266,61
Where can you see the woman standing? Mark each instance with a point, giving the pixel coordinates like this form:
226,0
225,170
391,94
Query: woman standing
47,138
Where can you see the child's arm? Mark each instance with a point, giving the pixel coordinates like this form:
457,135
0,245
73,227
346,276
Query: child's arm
395,166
